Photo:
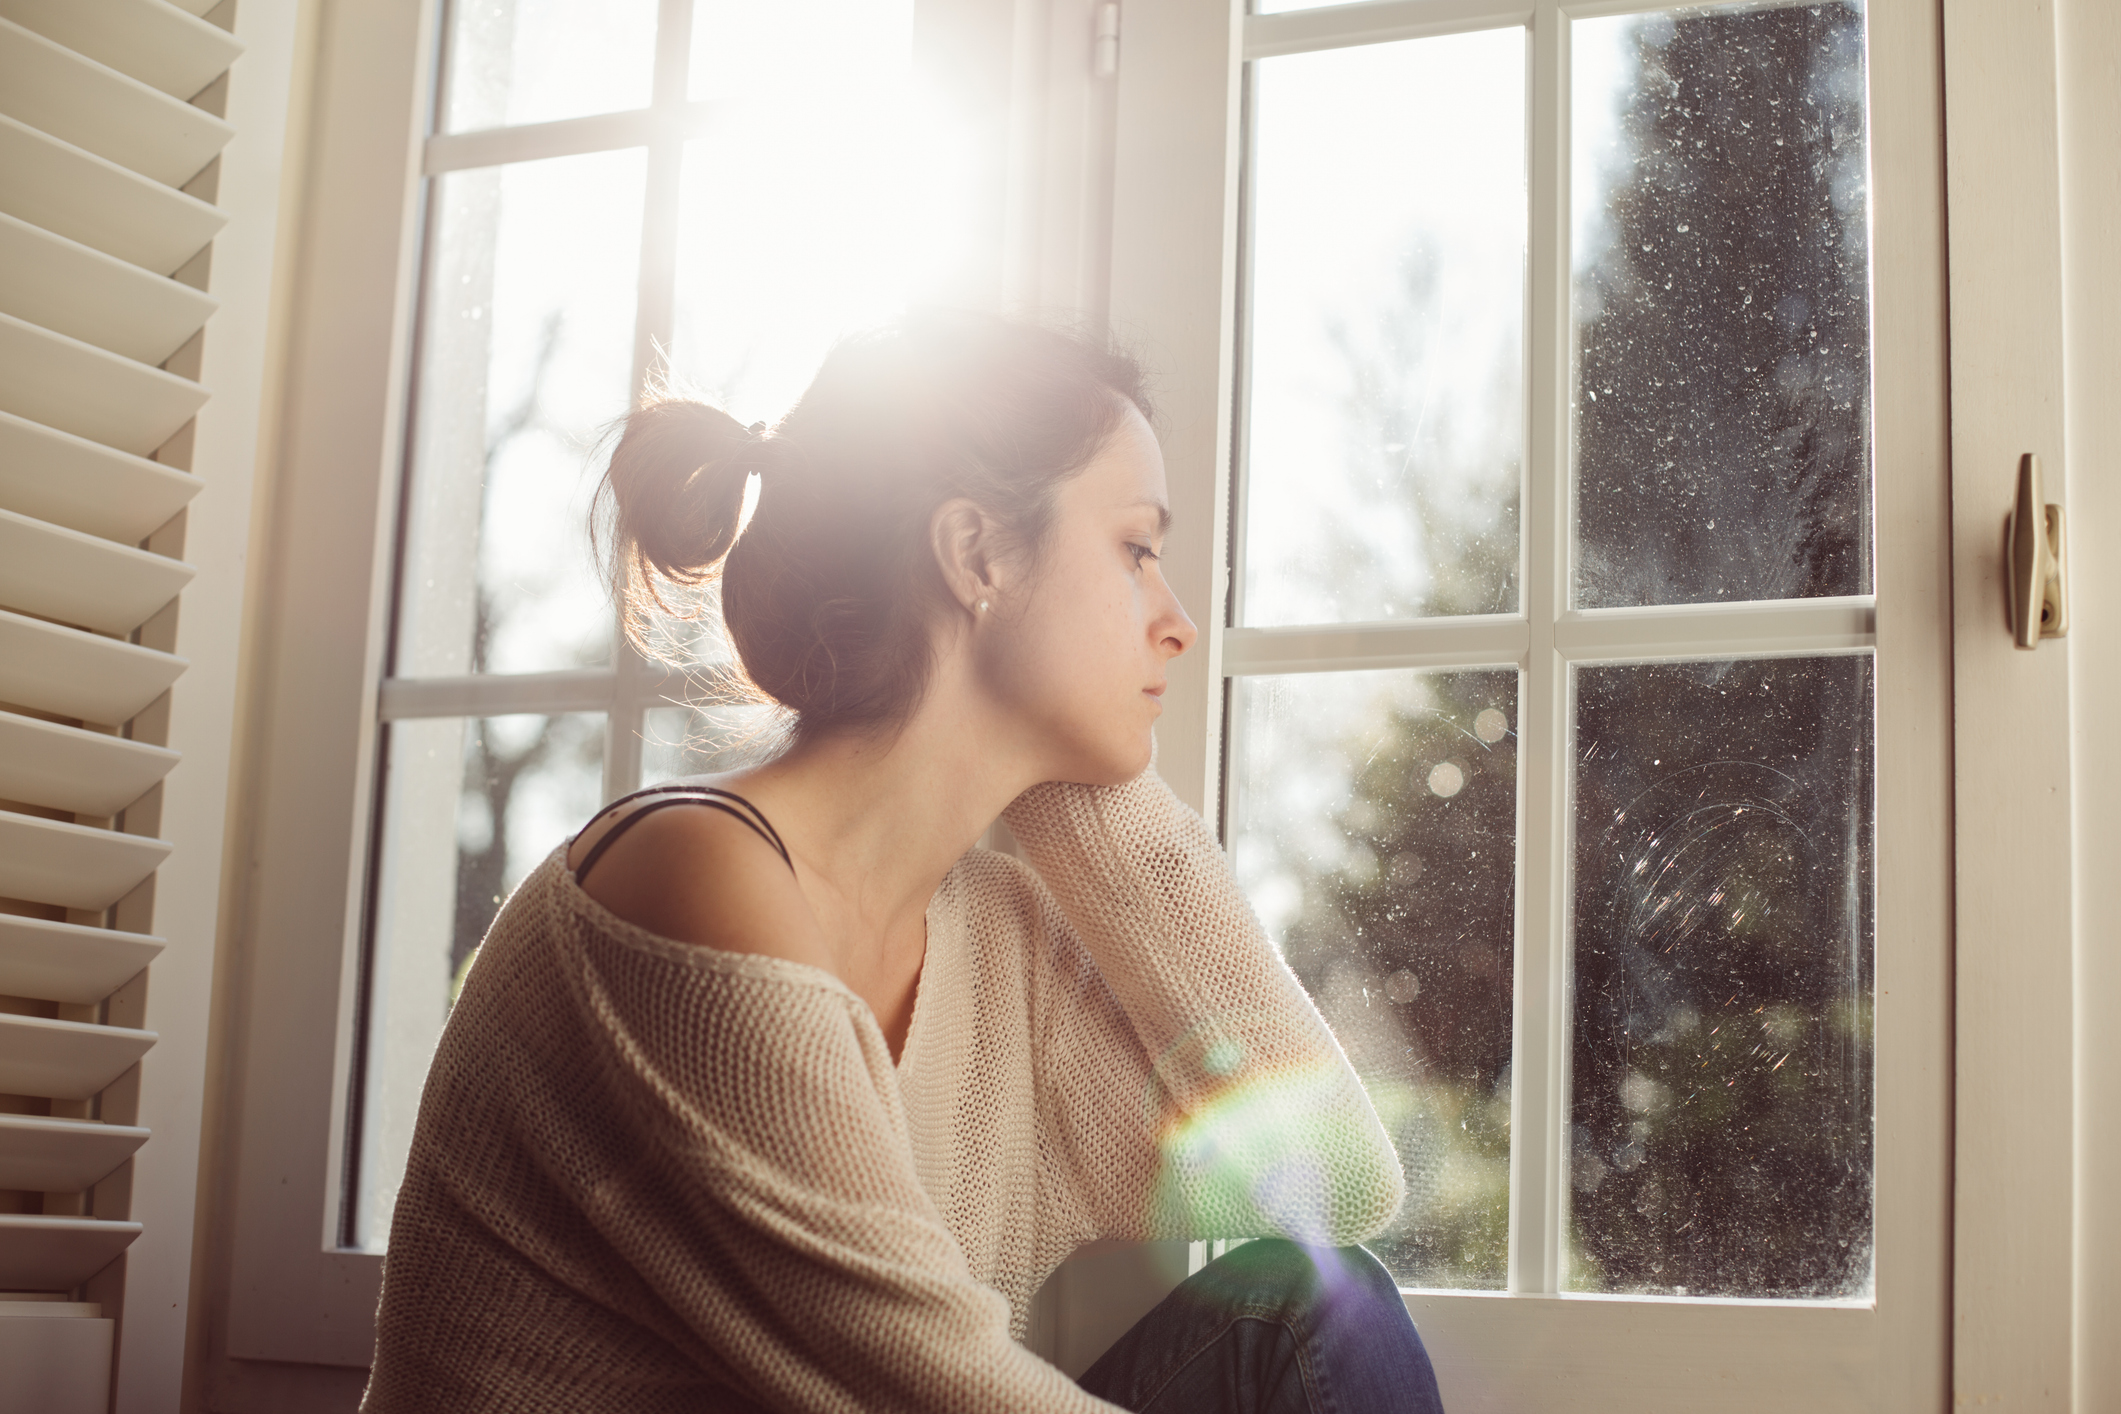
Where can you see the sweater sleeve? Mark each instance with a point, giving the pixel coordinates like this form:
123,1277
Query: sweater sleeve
755,1176
1234,1112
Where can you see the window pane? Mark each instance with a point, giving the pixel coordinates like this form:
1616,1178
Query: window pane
534,61
1722,267
825,197
1722,1083
470,807
1384,432
526,356
696,741
1373,821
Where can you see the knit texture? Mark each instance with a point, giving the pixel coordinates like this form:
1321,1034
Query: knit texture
649,1176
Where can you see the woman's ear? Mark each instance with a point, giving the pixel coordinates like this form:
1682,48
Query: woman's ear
963,539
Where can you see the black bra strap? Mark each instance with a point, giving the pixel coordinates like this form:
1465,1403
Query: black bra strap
710,796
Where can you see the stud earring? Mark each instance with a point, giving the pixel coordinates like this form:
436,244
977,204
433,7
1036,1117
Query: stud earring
983,606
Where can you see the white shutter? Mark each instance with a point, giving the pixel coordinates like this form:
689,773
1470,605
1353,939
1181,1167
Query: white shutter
107,184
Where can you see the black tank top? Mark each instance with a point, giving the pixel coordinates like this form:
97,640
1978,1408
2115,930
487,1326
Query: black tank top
713,797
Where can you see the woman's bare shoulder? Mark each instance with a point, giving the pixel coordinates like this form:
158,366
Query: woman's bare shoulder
696,874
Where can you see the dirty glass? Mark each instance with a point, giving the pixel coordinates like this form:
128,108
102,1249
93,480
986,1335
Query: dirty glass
1384,420
1721,1086
471,806
1721,289
526,357
1373,822
511,62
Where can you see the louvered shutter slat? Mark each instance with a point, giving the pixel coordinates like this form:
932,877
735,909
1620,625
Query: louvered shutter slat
67,768
83,485
67,1060
150,40
65,671
93,200
100,110
62,1155
69,962
54,1254
72,289
63,574
71,866
90,392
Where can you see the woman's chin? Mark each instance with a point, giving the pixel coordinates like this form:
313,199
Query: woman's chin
1139,758
1112,766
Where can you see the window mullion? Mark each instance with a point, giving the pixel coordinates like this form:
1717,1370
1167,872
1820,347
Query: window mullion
655,311
1540,1015
1342,26
655,317
531,142
622,730
1605,635
495,694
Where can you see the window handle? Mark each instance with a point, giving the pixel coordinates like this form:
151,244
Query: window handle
2036,561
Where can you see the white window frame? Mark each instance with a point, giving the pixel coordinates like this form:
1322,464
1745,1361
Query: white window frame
1129,203
1176,202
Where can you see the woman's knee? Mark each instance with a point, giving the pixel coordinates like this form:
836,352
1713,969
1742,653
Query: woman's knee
1274,1272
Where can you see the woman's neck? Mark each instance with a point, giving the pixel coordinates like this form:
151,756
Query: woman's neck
874,822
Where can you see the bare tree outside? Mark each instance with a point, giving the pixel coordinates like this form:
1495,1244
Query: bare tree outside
501,753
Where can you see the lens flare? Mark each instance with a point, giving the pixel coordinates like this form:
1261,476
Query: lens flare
1278,1153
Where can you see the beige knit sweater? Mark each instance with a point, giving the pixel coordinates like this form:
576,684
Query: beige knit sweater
649,1176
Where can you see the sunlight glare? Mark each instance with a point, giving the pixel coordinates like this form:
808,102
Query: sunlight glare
833,191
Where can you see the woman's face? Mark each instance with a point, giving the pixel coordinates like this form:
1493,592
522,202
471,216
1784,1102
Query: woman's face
1078,651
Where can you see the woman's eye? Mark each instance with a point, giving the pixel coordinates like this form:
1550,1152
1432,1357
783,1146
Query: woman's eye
1141,552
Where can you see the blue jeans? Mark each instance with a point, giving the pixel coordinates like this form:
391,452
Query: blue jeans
1274,1328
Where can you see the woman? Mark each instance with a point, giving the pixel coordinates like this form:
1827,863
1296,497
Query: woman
770,1091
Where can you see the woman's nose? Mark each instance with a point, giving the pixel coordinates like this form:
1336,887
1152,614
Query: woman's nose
1178,632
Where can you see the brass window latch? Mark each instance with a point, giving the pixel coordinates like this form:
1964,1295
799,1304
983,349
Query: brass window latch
2036,561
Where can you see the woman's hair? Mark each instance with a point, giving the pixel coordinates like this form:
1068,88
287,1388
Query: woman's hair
831,591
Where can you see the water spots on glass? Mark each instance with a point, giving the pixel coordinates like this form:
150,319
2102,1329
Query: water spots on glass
1395,906
1721,1093
535,61
1721,279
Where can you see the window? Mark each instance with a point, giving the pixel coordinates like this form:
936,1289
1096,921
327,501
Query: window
1552,374
1169,193
782,184
1693,563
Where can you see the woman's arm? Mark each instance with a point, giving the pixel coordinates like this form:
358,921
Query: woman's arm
1234,1112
